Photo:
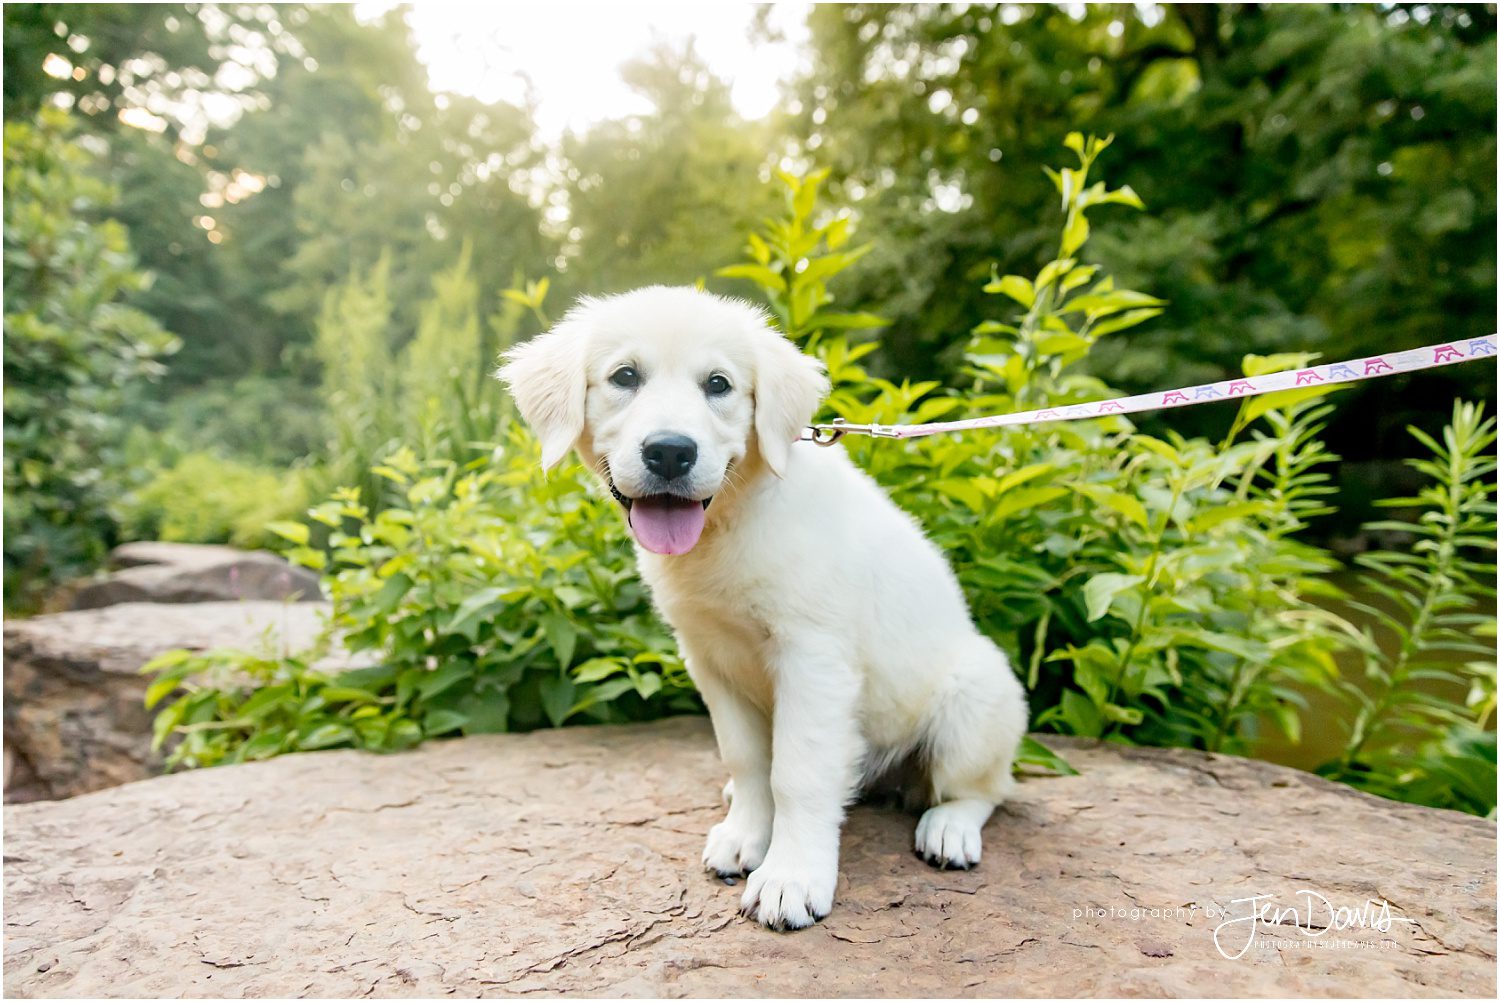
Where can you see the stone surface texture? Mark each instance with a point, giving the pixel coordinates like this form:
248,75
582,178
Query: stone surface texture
190,572
566,863
74,720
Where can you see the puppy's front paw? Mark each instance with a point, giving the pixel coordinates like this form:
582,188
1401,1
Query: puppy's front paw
787,893
948,835
736,846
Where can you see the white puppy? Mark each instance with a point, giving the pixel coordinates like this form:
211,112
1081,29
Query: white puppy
827,635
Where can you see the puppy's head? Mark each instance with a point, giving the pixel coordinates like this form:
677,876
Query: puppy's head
670,394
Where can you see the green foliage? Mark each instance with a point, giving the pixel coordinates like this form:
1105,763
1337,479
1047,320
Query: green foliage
1151,589
661,197
358,377
71,348
1423,726
255,419
1320,175
490,598
435,393
1148,586
203,498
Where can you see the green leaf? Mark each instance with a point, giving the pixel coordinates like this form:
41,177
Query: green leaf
1034,755
595,669
472,611
160,689
847,321
965,492
443,678
1024,499
1123,321
325,736
443,721
562,636
1061,343
557,698
1016,478
1101,590
488,713
1126,504
1015,287
296,532
759,274
390,594
1124,195
1075,234
1097,304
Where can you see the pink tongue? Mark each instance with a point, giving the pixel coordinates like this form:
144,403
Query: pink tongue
667,525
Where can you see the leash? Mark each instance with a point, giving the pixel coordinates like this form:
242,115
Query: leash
1376,366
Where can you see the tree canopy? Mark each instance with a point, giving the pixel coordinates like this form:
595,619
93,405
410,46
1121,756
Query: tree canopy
1318,177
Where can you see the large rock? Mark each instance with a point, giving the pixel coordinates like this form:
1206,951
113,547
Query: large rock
74,720
566,863
189,572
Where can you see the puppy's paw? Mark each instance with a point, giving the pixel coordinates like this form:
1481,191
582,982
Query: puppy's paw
790,893
948,835
736,846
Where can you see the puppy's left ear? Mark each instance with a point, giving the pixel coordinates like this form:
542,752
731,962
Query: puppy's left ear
789,385
546,376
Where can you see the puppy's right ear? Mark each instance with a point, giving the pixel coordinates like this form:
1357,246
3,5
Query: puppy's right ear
547,378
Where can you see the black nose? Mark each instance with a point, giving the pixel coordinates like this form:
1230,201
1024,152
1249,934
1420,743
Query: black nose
669,456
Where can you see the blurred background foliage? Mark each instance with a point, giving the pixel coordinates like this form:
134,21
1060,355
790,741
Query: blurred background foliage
251,255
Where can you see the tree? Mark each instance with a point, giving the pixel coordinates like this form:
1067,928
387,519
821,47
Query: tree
357,158
102,59
664,197
71,348
1319,177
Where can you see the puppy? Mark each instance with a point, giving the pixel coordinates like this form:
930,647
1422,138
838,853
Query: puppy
827,635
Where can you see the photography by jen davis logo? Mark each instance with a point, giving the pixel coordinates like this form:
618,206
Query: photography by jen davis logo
1144,913
1313,917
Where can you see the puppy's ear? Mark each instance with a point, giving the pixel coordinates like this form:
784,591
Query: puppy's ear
789,385
547,378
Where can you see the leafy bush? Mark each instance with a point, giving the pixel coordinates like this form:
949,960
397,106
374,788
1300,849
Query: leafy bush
431,390
71,347
493,599
1129,575
203,498
1151,589
254,419
1423,725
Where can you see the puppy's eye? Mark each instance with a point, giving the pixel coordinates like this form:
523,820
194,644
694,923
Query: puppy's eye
716,386
625,377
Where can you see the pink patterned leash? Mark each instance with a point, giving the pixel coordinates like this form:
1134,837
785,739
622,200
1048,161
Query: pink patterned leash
1430,357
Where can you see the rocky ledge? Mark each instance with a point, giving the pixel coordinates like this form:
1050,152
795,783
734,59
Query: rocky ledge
193,572
74,718
566,863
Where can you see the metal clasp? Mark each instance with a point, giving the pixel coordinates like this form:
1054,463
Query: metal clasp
827,434
823,434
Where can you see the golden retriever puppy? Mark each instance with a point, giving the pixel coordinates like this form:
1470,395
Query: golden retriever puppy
827,635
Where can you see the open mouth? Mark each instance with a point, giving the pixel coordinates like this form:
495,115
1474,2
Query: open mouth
664,523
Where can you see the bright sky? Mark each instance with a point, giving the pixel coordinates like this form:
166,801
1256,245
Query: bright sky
572,52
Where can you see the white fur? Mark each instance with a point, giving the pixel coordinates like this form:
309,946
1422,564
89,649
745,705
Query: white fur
827,635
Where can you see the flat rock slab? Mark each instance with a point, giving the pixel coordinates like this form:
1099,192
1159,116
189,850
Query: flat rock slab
74,719
193,572
566,863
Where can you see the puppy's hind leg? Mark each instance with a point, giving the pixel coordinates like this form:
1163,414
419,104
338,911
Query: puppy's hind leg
972,737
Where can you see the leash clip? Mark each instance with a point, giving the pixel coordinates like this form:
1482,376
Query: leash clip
828,434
